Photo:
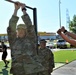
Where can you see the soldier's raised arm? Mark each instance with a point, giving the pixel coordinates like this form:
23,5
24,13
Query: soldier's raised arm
27,21
11,30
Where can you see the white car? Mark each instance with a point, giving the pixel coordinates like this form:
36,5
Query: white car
61,43
50,45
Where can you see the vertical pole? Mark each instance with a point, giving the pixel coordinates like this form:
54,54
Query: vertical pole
35,23
35,18
59,14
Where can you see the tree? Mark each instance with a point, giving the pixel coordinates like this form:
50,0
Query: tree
72,25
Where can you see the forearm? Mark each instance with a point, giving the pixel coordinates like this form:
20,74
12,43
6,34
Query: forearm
24,11
71,41
13,21
28,23
71,34
68,33
26,19
30,27
15,12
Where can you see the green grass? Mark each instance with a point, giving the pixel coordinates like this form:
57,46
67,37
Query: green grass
63,55
3,70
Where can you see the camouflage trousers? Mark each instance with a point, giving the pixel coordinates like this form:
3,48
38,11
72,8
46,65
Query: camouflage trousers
40,73
20,71
44,73
25,74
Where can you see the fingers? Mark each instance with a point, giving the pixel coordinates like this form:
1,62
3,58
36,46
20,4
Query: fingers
62,27
17,5
23,5
59,31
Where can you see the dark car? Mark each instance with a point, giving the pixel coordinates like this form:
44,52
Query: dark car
61,43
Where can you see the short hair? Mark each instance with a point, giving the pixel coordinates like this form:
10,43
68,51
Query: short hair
43,40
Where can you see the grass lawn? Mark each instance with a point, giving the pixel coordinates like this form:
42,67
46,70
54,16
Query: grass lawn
3,70
59,57
64,55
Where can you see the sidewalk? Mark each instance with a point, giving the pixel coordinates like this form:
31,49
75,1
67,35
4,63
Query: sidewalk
68,69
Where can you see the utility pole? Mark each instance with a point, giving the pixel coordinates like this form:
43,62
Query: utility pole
67,19
59,14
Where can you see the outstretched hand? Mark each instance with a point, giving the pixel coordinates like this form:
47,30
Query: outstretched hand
59,31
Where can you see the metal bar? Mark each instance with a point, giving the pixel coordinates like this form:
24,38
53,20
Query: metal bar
15,2
35,23
35,19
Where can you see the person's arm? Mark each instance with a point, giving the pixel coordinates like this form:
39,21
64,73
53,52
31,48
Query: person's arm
71,34
65,37
68,33
51,61
11,30
28,23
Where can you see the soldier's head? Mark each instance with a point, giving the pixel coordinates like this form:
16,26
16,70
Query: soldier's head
21,30
42,43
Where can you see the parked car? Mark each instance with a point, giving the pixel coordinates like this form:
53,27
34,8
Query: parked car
50,45
61,43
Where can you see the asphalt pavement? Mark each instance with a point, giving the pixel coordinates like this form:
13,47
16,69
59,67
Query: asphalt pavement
68,69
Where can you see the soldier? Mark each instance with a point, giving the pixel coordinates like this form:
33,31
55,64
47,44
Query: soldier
47,58
22,42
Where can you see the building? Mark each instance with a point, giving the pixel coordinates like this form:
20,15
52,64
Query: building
3,37
46,35
41,35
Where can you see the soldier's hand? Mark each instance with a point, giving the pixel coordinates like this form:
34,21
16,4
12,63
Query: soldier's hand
23,5
23,8
17,5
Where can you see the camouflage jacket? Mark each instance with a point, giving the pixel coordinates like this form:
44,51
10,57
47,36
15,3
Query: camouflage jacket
23,49
47,58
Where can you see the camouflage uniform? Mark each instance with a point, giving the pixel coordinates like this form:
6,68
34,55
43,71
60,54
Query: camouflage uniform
23,49
47,60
